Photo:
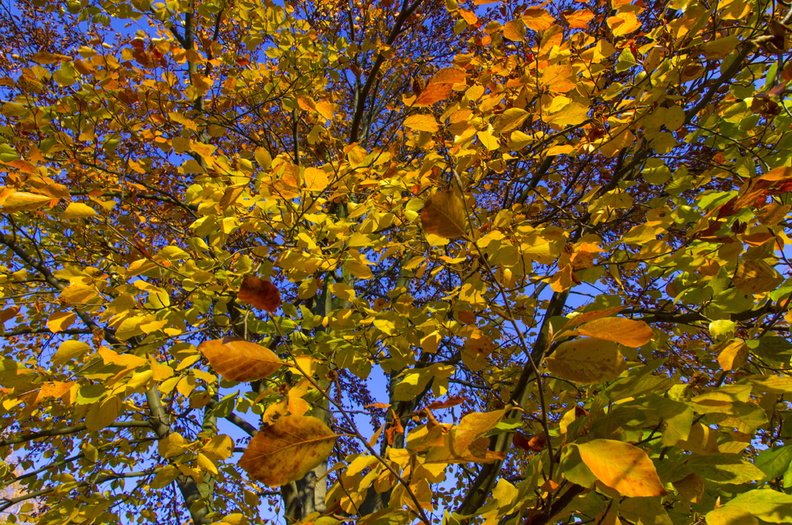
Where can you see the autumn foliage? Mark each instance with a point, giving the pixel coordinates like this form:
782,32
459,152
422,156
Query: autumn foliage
395,262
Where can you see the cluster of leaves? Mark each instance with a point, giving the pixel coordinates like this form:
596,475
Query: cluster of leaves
407,262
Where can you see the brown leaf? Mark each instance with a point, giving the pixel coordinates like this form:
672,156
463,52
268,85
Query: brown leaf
444,215
259,293
239,360
287,450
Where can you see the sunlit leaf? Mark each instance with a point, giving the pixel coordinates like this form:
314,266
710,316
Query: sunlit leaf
621,466
287,449
586,360
239,360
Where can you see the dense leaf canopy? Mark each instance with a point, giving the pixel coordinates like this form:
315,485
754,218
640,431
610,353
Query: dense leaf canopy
395,262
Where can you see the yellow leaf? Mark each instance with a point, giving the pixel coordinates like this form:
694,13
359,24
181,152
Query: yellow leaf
586,360
734,356
77,294
288,449
444,215
538,19
510,120
22,201
77,210
69,350
572,114
618,329
623,23
422,123
756,277
558,79
263,157
206,464
514,31
102,414
325,108
239,360
171,445
60,321
315,179
731,515
622,467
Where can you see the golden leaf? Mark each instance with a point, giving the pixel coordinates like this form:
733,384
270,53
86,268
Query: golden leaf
514,30
586,360
619,330
622,467
239,360
288,449
444,215
22,201
422,123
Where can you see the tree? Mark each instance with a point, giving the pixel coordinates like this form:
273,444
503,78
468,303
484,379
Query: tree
395,262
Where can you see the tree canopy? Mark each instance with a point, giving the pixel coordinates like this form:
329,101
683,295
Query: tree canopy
395,262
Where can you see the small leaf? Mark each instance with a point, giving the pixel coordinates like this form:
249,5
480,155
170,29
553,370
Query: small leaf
259,293
619,330
69,350
514,30
239,360
77,210
586,360
60,321
622,467
444,215
288,449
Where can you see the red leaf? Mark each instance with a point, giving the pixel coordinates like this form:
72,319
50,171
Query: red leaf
259,293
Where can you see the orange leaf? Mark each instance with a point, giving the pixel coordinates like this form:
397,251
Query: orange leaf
239,360
287,450
259,293
619,330
452,401
433,93
579,19
538,19
623,467
444,215
448,75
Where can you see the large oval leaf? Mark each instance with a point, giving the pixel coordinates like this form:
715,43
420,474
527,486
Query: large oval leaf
619,330
239,360
444,215
287,450
586,360
623,467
